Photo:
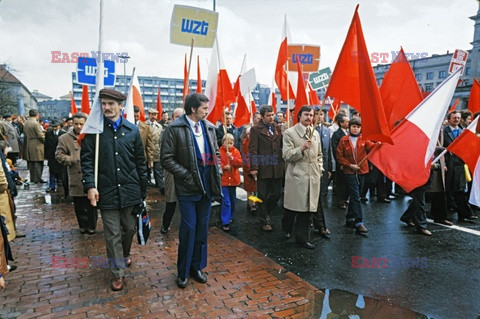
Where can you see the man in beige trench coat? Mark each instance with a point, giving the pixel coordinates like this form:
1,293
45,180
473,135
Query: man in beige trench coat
302,152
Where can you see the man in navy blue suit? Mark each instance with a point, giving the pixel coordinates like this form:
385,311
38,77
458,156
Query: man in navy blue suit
190,153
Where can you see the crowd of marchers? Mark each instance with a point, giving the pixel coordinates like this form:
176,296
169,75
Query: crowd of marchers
195,163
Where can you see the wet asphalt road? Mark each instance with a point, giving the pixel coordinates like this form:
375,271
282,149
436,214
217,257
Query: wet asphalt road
438,276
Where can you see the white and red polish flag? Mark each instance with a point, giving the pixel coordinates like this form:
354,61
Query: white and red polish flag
134,98
407,162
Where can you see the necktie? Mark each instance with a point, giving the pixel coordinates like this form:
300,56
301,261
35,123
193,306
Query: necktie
197,127
455,133
308,132
270,129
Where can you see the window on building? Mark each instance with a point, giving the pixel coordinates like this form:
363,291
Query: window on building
428,87
442,74
468,70
418,76
429,75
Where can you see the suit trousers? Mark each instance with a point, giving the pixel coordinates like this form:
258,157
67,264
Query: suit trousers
341,187
119,228
302,224
319,216
416,211
36,170
439,206
168,213
269,190
86,213
193,233
158,174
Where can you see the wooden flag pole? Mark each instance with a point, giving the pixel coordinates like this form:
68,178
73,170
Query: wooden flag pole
288,96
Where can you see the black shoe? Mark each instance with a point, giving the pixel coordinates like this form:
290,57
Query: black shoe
42,181
364,199
466,220
307,245
162,191
11,268
287,235
83,230
472,217
164,230
181,283
407,221
350,223
199,276
384,200
90,231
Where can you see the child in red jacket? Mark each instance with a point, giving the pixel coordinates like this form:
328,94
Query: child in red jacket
351,153
231,160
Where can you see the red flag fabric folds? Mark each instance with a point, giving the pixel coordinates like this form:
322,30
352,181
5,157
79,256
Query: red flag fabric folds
281,77
301,99
474,100
467,145
399,90
224,96
73,106
199,79
354,83
85,100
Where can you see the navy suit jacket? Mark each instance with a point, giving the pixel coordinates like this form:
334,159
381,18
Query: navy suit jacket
326,147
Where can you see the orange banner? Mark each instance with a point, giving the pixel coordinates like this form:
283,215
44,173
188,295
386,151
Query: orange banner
307,55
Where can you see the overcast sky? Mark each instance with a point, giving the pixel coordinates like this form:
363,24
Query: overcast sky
31,29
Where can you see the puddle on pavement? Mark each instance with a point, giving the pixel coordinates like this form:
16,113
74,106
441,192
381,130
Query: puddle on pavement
340,304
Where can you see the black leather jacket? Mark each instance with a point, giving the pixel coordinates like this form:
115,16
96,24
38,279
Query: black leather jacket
178,157
122,170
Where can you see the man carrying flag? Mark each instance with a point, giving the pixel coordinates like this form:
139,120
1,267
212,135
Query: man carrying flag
122,180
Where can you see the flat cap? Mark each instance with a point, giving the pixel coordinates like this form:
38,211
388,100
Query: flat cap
152,110
7,115
112,94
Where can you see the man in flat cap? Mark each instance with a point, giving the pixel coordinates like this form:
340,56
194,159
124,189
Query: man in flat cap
122,180
157,131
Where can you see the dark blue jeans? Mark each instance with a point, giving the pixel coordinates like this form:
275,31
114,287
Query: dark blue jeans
228,203
354,185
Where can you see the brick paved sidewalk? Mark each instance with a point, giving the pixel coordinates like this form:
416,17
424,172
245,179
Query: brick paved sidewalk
241,281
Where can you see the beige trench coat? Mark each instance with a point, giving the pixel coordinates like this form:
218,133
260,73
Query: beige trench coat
34,137
157,131
5,208
302,179
68,154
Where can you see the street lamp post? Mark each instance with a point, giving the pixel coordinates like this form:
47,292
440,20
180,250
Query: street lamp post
124,57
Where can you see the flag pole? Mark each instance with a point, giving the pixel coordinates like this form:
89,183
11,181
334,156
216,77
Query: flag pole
288,95
98,85
188,70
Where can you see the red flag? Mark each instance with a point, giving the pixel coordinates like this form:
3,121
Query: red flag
253,107
73,106
407,162
474,100
301,99
159,105
224,96
467,145
454,106
85,100
242,113
186,86
312,94
399,90
199,79
134,98
334,109
281,76
353,82
274,102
